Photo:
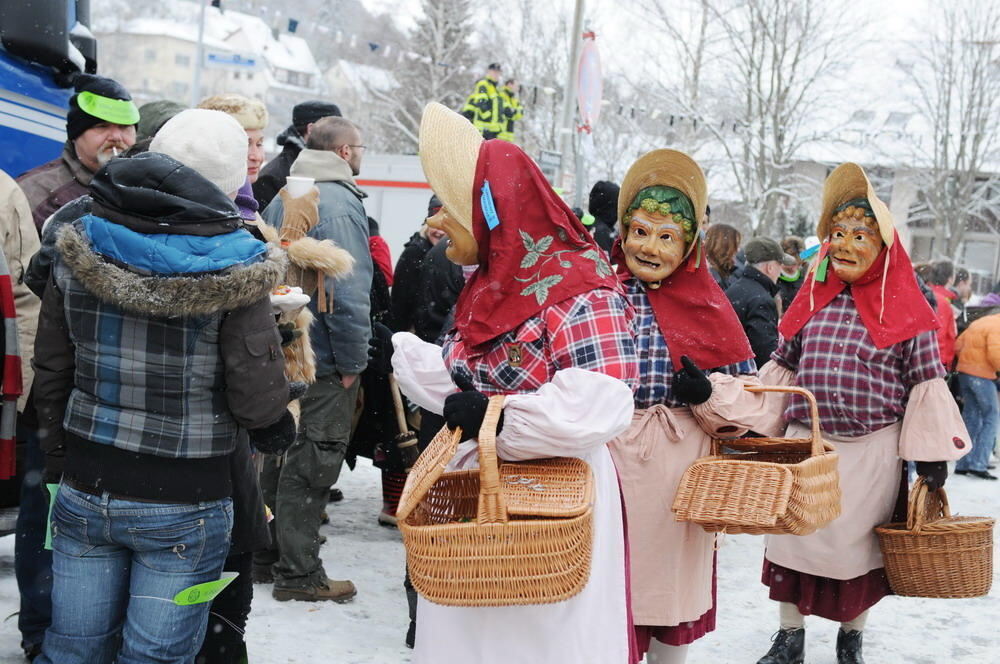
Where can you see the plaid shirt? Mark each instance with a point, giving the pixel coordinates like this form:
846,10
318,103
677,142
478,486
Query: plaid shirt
588,331
656,370
859,388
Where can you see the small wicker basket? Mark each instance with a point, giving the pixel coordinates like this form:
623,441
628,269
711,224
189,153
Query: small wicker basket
781,486
935,554
503,535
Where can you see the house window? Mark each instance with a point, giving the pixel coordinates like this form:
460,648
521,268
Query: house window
182,60
150,55
236,74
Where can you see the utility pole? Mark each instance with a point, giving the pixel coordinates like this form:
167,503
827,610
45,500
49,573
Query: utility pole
567,125
199,58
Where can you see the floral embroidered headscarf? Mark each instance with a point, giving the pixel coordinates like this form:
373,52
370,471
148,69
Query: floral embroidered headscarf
533,251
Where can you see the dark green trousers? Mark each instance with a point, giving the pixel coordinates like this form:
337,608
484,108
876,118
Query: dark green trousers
297,487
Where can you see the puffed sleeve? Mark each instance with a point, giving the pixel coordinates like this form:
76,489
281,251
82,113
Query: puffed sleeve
731,411
421,372
576,412
933,429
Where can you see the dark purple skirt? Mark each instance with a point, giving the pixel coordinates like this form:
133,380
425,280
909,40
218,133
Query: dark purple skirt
833,599
685,633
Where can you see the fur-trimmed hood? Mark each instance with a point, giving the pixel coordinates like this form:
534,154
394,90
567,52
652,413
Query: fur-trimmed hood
169,296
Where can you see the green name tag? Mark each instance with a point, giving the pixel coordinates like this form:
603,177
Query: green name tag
53,489
204,592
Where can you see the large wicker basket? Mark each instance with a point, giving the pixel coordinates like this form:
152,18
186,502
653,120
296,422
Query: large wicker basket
502,535
935,554
784,486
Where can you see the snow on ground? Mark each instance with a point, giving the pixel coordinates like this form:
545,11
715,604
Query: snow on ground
370,629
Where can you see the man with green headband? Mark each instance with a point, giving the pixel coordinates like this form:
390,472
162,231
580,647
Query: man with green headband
100,125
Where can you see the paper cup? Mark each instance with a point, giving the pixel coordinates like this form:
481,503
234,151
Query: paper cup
299,186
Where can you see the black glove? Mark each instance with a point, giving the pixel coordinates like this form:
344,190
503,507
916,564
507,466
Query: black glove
691,385
276,438
289,333
466,409
296,390
933,472
380,349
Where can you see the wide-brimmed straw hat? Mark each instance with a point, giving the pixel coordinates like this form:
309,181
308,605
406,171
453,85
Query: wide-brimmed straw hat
665,168
449,150
846,183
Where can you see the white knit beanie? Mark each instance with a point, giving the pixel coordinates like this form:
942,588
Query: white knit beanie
210,142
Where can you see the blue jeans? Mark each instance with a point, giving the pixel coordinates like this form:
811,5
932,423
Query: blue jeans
32,563
117,565
980,413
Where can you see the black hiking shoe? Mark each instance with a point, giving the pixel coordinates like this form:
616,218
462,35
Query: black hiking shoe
789,647
849,647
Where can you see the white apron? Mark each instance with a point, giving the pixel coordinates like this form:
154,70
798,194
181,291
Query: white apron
847,547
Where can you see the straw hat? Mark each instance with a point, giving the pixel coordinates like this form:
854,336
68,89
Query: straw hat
449,150
847,182
665,168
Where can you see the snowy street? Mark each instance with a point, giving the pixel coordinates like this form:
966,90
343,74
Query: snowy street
370,630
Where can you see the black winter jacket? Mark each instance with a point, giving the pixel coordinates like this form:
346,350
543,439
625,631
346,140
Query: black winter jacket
406,283
440,283
752,296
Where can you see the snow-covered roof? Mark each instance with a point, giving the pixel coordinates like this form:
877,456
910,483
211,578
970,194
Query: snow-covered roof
226,30
361,76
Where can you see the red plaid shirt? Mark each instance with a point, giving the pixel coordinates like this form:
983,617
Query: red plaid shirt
859,388
588,331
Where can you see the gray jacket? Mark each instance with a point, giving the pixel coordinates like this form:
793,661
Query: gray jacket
340,338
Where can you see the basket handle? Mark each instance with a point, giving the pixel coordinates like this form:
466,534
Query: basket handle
920,497
492,506
817,439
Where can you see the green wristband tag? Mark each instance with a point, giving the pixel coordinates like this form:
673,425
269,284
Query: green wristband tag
204,592
116,111
53,489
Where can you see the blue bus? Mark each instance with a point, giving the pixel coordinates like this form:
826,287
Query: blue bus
43,45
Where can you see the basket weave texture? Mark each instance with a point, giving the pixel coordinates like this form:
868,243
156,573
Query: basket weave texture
503,535
779,486
935,554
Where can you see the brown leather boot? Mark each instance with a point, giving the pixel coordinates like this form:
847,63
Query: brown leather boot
330,591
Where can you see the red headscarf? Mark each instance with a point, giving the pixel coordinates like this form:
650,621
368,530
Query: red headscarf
889,301
694,315
536,254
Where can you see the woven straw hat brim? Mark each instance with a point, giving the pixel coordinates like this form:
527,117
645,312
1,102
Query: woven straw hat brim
667,168
449,150
847,182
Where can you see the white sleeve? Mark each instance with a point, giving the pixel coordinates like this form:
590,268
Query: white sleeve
421,372
576,412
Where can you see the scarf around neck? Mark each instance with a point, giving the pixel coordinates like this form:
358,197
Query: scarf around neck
533,251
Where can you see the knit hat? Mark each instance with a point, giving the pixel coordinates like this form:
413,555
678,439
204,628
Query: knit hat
250,113
210,142
98,99
311,111
763,249
153,115
433,205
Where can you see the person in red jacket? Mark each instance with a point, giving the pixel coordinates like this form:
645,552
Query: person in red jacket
942,277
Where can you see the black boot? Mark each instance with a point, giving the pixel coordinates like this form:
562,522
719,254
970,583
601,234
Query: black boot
849,647
789,647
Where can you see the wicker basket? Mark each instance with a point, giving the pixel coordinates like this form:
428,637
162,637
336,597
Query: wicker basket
517,533
935,554
781,486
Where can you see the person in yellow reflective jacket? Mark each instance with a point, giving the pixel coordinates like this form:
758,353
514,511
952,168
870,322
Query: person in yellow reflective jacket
512,109
484,107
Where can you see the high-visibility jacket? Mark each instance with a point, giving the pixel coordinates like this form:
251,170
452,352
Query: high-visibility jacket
484,108
512,112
